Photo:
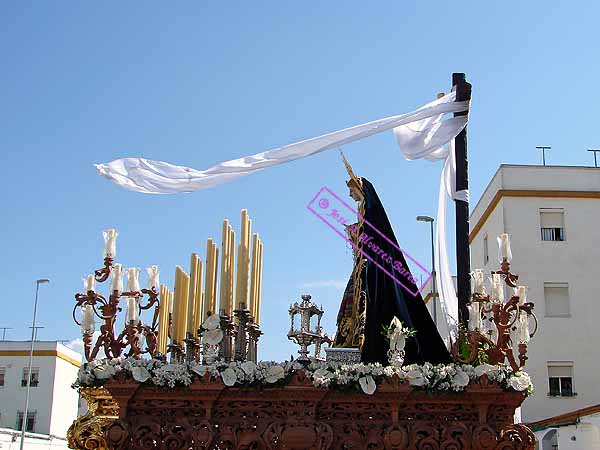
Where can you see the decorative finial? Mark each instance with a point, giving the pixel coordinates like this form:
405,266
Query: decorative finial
357,180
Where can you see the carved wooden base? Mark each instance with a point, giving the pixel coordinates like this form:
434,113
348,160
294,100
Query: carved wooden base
208,416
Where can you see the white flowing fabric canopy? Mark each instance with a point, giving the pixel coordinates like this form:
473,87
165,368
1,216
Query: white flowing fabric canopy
158,177
423,133
426,139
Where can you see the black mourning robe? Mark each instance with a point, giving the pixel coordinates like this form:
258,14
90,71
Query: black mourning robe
386,298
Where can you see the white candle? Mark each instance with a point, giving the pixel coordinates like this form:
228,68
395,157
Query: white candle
523,328
89,283
497,288
87,321
110,243
504,247
478,281
522,294
474,317
133,279
116,284
153,280
132,311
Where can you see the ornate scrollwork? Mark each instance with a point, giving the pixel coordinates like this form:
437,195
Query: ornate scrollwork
87,432
299,416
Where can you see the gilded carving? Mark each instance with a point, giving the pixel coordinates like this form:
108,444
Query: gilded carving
87,432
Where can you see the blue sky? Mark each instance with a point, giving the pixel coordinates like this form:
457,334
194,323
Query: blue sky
195,83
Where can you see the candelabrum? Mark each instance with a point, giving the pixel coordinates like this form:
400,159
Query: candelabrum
242,316
495,324
140,338
254,334
226,348
220,336
306,334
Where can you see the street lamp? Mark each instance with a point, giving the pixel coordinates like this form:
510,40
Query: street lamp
433,287
24,422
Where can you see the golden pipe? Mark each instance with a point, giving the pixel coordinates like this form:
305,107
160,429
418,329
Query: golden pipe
253,286
232,272
240,300
246,273
184,305
224,283
259,283
167,325
161,320
177,307
175,314
214,278
199,300
181,303
191,308
207,283
245,262
171,297
238,281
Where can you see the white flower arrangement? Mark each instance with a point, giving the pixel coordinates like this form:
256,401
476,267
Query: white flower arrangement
366,377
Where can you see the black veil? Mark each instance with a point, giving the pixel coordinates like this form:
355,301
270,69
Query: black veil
386,298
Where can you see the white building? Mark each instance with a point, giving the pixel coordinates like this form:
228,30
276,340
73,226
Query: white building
11,440
552,214
577,430
53,403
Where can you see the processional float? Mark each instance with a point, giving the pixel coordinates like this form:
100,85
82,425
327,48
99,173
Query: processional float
190,378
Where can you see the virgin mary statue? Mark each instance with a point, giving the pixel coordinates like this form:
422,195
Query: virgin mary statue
372,298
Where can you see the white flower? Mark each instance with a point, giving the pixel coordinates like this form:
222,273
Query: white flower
274,374
248,367
322,373
396,335
171,374
345,379
367,384
469,370
484,369
322,382
104,372
460,380
140,374
212,337
85,376
212,322
229,377
416,378
199,369
520,381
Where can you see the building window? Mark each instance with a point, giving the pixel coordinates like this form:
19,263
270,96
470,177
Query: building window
560,379
2,374
553,224
556,296
35,377
486,253
29,423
